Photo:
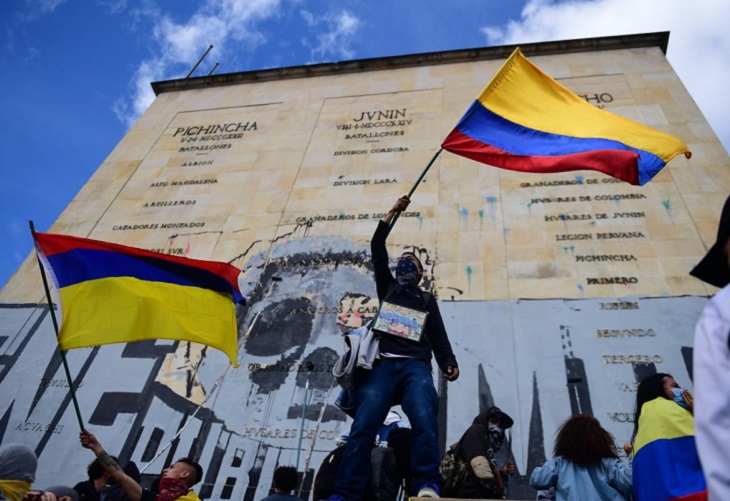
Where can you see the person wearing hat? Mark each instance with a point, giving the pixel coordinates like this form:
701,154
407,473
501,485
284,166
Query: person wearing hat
711,366
389,463
53,493
479,446
18,464
390,460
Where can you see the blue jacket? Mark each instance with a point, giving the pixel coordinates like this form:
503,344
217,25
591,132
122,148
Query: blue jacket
608,481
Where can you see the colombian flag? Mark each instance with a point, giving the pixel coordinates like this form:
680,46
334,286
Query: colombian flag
666,465
526,121
112,293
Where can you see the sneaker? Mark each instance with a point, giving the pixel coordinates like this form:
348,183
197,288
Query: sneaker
429,491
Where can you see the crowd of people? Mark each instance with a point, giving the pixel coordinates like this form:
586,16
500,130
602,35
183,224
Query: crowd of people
665,463
107,479
382,460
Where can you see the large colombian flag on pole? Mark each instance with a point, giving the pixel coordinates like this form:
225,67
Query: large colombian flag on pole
112,293
666,465
526,121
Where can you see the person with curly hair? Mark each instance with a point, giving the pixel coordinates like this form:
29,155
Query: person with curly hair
585,464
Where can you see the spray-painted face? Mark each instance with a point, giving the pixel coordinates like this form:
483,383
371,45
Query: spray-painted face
408,272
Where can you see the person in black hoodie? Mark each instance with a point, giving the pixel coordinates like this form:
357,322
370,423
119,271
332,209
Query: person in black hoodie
402,375
478,448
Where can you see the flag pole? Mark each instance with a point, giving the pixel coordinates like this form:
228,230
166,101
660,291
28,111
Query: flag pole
55,327
314,437
304,414
418,181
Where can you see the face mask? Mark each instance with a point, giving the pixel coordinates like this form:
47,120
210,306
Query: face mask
496,435
14,490
678,397
171,489
406,274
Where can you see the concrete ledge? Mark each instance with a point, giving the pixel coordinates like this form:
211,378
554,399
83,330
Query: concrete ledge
659,39
458,499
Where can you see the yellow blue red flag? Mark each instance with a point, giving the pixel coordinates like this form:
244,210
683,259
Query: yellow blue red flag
112,293
526,121
666,465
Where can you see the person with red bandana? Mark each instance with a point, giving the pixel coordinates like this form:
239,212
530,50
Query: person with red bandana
175,485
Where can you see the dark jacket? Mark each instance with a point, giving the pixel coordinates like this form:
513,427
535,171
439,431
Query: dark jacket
324,481
476,442
87,491
435,338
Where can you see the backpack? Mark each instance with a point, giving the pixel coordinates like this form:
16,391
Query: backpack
453,469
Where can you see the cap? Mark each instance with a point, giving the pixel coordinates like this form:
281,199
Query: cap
17,462
504,420
62,490
714,269
392,417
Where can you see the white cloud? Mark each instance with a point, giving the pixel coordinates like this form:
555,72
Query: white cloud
221,23
698,44
226,24
183,43
128,110
336,39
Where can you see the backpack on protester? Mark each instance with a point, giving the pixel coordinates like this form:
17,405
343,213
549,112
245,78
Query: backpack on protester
453,469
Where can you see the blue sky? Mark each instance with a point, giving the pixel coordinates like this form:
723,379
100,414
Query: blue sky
76,74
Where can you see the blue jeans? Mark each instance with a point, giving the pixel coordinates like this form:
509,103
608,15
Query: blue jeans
403,381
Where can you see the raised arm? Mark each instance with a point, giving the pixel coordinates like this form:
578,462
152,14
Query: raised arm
379,253
131,488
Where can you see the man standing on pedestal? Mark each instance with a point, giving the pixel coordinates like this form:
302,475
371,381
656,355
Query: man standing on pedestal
402,375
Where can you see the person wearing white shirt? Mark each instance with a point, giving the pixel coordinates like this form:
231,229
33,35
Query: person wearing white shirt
711,363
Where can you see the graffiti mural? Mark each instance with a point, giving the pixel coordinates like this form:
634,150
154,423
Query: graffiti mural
155,401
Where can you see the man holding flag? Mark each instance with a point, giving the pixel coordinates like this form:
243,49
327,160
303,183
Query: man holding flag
176,483
402,375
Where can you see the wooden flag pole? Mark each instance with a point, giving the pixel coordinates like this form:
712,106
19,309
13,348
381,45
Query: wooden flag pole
55,327
418,181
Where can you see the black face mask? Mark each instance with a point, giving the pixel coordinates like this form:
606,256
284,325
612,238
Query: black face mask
496,435
406,274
